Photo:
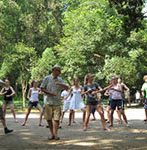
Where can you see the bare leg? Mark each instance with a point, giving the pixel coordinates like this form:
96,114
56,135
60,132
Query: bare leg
111,117
13,112
70,116
84,114
4,107
108,114
55,128
73,116
4,123
124,116
101,113
119,116
87,116
50,124
27,115
41,114
6,130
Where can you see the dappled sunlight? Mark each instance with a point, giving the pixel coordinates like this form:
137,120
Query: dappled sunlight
138,131
26,133
25,138
141,138
108,141
85,143
141,148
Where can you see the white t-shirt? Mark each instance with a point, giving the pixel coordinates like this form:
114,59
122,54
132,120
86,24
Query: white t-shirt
34,97
64,94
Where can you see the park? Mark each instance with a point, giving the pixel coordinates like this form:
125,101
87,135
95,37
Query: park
102,39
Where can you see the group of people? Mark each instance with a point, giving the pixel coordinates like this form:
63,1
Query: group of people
75,97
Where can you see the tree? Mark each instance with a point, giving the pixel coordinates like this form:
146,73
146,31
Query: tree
132,13
44,65
21,60
121,66
95,32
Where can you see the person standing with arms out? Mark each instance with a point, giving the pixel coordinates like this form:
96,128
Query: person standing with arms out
52,85
144,95
8,93
2,117
90,90
76,102
116,93
124,89
33,96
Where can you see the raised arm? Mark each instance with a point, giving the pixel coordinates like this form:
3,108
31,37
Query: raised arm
2,92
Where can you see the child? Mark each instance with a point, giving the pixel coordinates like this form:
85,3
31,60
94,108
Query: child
66,103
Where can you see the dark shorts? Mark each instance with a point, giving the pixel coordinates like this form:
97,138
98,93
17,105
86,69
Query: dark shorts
32,104
1,114
145,104
123,104
6,102
116,103
92,103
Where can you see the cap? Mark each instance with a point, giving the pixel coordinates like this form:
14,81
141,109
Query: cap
56,67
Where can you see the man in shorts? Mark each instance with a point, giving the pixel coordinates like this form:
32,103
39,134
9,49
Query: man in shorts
52,85
2,118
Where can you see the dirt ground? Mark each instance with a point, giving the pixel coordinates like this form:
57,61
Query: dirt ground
33,137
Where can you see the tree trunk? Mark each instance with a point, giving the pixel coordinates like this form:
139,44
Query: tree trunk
24,91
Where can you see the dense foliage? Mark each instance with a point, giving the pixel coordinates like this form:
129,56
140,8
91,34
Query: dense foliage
103,37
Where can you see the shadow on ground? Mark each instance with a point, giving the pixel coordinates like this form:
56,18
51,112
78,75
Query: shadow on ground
32,137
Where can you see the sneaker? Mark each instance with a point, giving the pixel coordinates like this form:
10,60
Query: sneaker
41,125
51,138
6,130
23,124
60,127
57,138
110,126
127,125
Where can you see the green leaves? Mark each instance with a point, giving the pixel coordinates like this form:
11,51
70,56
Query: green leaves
44,64
121,66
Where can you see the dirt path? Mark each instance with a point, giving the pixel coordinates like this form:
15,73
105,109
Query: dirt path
33,137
